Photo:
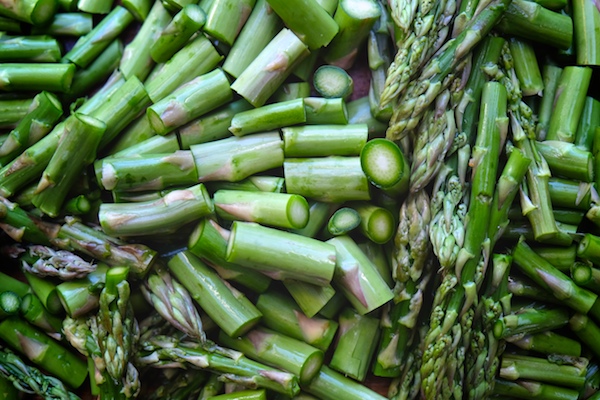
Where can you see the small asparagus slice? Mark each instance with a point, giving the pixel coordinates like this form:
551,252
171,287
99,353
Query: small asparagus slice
324,140
272,348
88,47
333,82
271,67
569,103
95,6
35,12
209,242
355,19
343,221
164,215
385,165
80,296
53,77
233,159
376,223
225,19
175,35
357,340
306,259
10,303
309,21
189,101
310,298
314,178
76,150
147,172
260,28
226,306
196,58
269,117
274,209
43,351
281,314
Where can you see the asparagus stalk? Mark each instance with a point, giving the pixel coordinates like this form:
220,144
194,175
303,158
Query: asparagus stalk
561,372
272,348
164,215
322,111
35,12
590,117
273,65
586,330
526,67
174,35
228,307
567,160
53,77
329,385
530,320
13,111
88,47
29,49
225,19
197,97
310,298
260,28
95,7
283,315
43,351
269,117
308,260
138,8
531,390
547,343
586,20
274,209
80,296
208,241
324,140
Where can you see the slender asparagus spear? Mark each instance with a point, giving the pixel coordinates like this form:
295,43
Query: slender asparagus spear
548,343
324,140
551,76
225,19
329,385
269,117
66,24
560,372
533,390
530,320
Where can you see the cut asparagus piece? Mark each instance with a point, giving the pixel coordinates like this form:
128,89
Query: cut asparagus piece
567,160
321,111
386,166
307,260
29,49
225,19
225,305
343,221
515,367
271,67
269,347
308,20
324,140
274,209
164,215
269,117
533,390
529,321
35,12
333,82
174,36
197,97
313,178
330,385
310,298
53,77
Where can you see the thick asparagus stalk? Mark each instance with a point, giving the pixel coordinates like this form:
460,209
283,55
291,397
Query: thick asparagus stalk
529,321
308,260
586,20
533,390
35,12
66,24
164,215
80,296
272,348
228,307
324,140
174,35
53,77
225,19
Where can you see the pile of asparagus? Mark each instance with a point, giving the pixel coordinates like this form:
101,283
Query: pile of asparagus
197,200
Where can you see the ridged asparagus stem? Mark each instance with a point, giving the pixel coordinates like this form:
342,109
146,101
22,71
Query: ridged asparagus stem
551,76
526,67
272,66
529,321
164,215
179,30
260,28
88,47
196,58
137,60
233,366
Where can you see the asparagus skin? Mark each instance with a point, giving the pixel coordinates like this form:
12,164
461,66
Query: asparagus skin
73,24
548,343
271,67
324,140
174,35
35,12
225,19
308,260
269,117
229,308
53,77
